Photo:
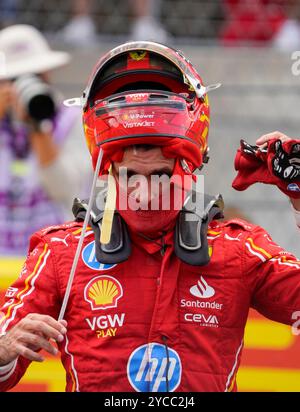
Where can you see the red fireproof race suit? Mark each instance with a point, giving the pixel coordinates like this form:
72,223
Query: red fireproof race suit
153,323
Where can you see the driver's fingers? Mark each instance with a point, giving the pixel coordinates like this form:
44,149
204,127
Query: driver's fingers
36,342
44,328
263,140
27,353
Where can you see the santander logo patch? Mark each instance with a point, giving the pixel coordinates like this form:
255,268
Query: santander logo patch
202,289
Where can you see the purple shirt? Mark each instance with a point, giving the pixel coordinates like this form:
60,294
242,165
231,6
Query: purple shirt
25,207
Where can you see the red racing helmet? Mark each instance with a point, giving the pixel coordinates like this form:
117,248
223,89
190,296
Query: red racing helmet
146,93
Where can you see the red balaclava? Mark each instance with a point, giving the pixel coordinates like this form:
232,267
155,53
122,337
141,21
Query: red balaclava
151,189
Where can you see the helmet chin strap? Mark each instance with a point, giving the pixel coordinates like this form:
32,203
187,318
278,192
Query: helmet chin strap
81,239
109,209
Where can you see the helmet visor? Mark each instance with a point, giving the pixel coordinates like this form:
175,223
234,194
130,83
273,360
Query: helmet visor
141,117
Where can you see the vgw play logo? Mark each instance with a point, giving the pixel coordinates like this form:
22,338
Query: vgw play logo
89,258
154,368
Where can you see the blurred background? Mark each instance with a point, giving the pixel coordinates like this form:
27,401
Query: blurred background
247,45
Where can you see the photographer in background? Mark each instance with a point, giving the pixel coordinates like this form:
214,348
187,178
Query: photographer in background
40,141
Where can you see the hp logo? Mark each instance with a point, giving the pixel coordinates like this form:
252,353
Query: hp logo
148,366
89,258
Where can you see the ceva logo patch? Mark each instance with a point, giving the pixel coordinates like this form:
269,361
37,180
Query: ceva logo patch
154,368
103,292
89,258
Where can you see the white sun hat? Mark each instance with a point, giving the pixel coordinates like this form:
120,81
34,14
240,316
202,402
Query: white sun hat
23,50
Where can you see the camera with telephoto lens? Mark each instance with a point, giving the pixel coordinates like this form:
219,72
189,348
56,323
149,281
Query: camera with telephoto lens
37,97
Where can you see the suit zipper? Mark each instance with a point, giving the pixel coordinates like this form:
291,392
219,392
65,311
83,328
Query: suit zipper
165,340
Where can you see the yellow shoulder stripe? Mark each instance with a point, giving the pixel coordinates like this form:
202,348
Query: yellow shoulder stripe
77,231
212,232
259,249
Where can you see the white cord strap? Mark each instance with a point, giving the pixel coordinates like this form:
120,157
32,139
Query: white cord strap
81,239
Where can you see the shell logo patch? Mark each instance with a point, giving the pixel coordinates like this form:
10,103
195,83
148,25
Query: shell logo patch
103,292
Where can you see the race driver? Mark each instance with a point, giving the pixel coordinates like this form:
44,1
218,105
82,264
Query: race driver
162,303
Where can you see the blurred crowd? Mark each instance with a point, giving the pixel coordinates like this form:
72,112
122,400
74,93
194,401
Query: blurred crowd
228,22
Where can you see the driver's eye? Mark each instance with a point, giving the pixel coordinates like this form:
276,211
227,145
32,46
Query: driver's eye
130,173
